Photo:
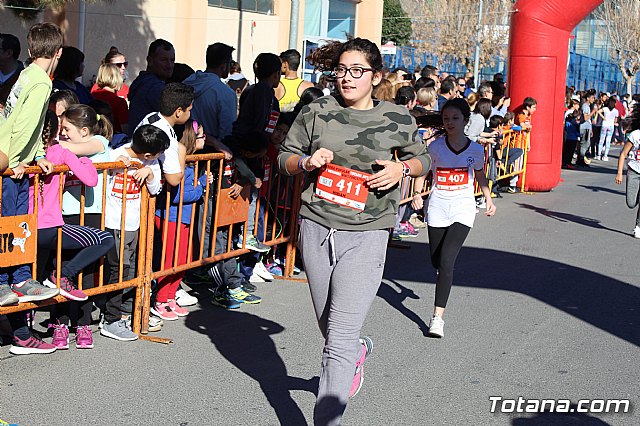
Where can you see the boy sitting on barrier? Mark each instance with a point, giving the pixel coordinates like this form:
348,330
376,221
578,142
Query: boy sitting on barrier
148,143
505,156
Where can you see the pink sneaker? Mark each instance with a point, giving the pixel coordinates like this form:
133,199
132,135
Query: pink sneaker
60,336
31,345
179,310
84,337
164,311
68,290
358,378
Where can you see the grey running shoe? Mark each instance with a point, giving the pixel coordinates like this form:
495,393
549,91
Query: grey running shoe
118,330
32,291
7,297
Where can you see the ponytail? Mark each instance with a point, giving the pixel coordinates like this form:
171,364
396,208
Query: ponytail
81,115
103,127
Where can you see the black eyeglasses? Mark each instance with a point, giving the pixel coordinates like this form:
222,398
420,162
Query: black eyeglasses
356,72
121,64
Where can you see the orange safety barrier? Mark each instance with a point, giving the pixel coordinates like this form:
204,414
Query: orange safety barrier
8,258
510,139
280,197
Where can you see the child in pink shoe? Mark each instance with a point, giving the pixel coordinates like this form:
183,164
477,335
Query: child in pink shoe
89,244
177,231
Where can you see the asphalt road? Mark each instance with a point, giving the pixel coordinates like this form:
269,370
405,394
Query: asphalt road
545,304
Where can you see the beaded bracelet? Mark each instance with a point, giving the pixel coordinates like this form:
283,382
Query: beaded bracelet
301,162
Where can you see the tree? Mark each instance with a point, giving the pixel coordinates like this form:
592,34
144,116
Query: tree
449,29
620,24
396,26
29,9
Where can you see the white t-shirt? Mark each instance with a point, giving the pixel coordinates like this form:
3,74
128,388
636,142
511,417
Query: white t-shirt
634,163
92,196
609,117
115,182
170,159
451,199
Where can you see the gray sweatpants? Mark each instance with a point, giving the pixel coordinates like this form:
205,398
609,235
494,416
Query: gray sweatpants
633,191
344,269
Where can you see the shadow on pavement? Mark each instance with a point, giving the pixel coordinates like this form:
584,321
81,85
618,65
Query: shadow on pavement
601,189
395,299
559,419
255,354
568,217
604,302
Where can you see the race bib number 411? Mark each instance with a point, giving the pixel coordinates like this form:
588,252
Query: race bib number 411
343,186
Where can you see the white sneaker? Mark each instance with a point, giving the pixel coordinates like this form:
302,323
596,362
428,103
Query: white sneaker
262,272
605,158
185,299
636,232
436,326
255,278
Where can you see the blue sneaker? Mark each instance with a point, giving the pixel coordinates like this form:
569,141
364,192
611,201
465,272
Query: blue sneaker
242,296
223,300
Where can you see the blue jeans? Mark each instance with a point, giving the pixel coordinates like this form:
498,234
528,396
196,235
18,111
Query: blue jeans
15,202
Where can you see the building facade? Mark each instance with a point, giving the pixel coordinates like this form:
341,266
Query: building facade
251,26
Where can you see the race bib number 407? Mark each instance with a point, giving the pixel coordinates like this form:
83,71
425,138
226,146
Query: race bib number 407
452,179
343,186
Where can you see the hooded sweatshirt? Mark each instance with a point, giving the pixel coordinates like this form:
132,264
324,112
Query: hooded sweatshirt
215,104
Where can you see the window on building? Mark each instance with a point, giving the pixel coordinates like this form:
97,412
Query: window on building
329,19
341,19
260,6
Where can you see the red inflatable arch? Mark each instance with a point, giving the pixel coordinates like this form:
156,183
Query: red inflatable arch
538,49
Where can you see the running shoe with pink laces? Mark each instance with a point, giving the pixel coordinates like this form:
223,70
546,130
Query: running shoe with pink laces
60,336
358,378
179,310
164,311
84,337
67,289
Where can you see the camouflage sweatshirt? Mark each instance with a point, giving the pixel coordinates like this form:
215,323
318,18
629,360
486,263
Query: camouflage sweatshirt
357,138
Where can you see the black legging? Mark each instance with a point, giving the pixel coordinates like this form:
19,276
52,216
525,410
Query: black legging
89,246
445,244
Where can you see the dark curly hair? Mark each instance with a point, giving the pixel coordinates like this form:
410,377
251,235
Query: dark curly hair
326,57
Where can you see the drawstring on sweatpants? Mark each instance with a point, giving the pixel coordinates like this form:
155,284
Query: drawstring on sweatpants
332,245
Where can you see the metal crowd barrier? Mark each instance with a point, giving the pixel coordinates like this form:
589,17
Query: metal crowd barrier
281,202
30,254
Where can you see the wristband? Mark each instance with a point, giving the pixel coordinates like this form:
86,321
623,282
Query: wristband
416,193
406,170
301,162
39,157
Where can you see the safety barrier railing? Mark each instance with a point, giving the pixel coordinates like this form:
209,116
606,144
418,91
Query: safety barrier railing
497,158
11,258
275,222
279,201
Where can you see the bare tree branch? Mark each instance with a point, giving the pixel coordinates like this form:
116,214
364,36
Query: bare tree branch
620,25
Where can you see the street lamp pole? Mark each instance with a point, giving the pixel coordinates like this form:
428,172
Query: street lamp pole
476,58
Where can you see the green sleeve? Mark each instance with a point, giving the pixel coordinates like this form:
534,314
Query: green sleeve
298,141
25,121
413,147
